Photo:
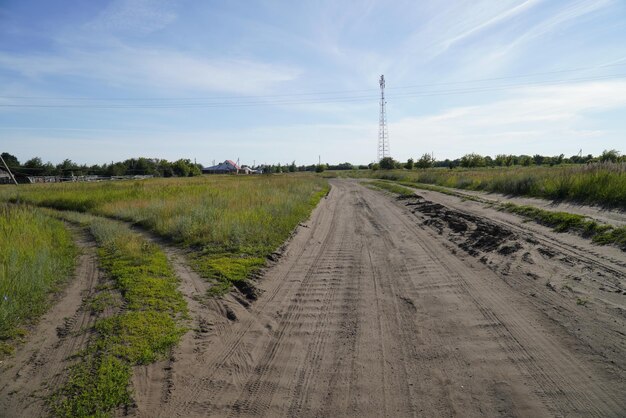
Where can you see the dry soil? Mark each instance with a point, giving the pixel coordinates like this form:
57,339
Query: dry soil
426,306
415,307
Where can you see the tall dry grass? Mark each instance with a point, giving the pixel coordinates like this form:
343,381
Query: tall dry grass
598,184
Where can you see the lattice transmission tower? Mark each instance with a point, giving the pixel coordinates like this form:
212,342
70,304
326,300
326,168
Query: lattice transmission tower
383,134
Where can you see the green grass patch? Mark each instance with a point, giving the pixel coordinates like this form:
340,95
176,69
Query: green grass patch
37,256
392,187
101,301
227,269
568,222
145,331
97,385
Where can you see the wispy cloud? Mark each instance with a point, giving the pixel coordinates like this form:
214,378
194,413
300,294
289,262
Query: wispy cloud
159,69
142,16
489,22
563,16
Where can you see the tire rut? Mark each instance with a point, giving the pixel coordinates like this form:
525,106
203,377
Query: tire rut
39,365
564,378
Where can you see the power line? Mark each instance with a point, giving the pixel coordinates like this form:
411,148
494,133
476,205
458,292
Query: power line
198,103
312,93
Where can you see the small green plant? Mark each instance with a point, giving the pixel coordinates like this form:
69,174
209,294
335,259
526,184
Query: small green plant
101,301
581,302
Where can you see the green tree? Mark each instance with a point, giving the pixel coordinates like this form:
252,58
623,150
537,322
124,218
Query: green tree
181,168
387,163
34,167
425,161
116,169
612,156
11,160
472,160
409,164
68,168
525,160
194,170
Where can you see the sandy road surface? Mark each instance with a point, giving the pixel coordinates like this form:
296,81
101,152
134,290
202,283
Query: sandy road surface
375,309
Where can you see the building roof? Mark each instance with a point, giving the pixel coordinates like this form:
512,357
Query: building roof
231,162
227,165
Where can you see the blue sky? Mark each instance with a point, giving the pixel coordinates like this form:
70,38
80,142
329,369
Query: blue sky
277,81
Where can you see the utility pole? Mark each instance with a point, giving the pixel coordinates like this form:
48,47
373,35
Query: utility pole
383,134
319,160
8,170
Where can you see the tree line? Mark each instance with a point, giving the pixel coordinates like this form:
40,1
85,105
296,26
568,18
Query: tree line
130,167
186,168
474,160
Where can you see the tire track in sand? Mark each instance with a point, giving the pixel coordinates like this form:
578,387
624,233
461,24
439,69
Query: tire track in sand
37,368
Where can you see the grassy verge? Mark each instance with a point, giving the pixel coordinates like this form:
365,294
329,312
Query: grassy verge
599,184
392,187
441,189
601,234
37,256
568,222
142,332
232,223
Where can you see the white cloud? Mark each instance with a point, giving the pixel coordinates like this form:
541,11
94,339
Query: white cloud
490,22
566,15
537,119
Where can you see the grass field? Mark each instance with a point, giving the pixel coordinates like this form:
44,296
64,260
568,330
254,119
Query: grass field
600,184
36,256
231,222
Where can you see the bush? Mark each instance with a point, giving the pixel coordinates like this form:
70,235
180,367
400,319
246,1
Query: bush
387,163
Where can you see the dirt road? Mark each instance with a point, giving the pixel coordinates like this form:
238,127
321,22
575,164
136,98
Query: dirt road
380,307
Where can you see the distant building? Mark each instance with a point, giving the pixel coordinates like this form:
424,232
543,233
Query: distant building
227,167
248,170
5,178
